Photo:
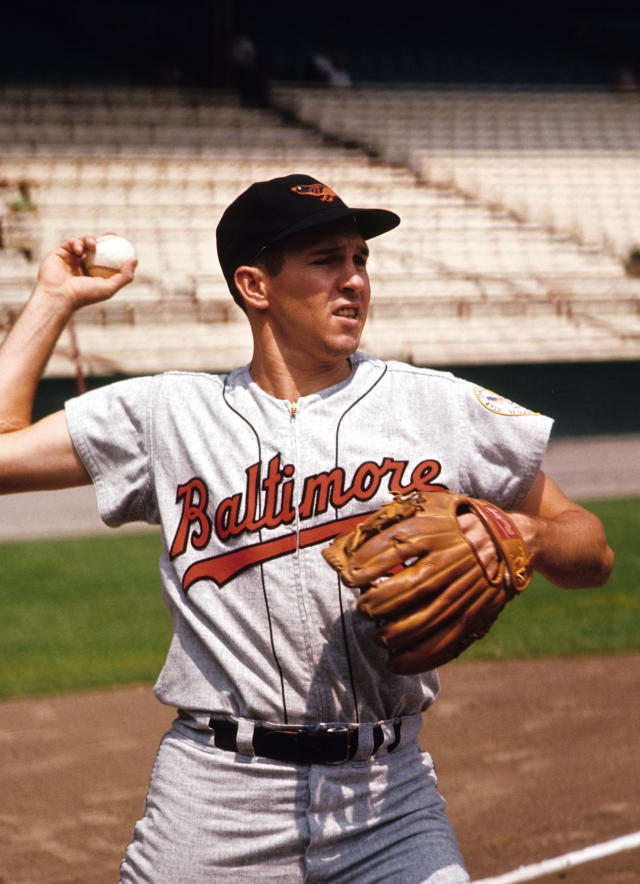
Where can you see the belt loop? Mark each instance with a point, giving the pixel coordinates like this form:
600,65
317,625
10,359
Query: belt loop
244,738
397,726
391,730
365,748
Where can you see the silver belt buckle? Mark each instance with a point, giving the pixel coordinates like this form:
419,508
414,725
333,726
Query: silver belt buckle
349,732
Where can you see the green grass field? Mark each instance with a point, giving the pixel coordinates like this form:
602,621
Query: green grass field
88,613
550,622
81,613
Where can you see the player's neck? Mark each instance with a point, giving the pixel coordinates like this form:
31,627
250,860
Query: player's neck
291,380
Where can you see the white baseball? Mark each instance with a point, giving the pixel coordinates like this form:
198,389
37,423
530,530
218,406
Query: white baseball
109,255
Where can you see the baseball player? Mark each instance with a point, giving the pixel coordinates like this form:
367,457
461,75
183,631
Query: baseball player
294,752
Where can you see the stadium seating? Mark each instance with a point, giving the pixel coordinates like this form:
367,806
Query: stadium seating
517,209
568,161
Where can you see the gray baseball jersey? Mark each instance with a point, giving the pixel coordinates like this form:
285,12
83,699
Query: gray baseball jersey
248,489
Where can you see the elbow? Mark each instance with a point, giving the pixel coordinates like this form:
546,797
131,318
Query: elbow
598,571
587,573
599,563
604,556
606,567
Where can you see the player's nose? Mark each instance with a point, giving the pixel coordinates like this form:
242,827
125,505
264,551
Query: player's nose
353,278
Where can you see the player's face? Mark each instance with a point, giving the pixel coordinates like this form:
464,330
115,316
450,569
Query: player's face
319,300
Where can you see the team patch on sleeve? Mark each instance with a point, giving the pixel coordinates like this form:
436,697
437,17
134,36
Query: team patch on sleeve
498,404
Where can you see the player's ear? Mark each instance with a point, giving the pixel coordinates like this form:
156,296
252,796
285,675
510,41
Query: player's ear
251,283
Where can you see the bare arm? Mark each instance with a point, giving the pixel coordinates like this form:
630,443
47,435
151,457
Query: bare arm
567,542
42,455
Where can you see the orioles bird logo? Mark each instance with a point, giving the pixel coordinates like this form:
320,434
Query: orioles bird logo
321,190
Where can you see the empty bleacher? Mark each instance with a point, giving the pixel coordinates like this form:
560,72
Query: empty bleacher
567,161
516,213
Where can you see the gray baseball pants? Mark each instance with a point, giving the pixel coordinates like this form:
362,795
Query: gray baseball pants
213,815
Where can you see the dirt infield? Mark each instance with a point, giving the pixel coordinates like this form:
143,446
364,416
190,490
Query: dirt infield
535,758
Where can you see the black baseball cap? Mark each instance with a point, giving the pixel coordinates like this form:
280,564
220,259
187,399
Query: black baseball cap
270,211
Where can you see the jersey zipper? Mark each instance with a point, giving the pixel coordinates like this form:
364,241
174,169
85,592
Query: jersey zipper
293,411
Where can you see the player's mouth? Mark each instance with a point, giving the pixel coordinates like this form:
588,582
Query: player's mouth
348,312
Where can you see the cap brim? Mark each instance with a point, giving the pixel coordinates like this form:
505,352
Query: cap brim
371,222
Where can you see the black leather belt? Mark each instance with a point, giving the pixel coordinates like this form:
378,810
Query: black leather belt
301,745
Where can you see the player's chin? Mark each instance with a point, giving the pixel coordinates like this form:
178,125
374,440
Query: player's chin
348,334
345,344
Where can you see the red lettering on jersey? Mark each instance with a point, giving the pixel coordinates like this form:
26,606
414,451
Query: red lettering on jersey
329,489
423,475
322,490
228,521
396,468
194,497
272,485
268,503
366,480
224,567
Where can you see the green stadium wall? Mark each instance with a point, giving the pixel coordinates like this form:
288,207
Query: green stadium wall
584,398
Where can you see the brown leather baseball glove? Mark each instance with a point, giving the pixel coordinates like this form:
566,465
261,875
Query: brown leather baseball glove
422,580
